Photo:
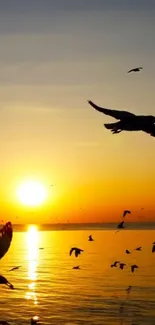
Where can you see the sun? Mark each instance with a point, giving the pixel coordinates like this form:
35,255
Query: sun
31,193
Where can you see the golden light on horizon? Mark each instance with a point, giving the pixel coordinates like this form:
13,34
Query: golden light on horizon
31,193
32,247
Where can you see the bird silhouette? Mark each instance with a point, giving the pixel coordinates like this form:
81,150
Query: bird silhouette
122,266
153,247
90,238
135,69
121,225
15,268
77,251
126,212
76,267
6,234
127,121
127,251
115,264
133,267
3,280
138,248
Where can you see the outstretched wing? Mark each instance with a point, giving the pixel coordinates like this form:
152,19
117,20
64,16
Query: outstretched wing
6,234
71,251
118,115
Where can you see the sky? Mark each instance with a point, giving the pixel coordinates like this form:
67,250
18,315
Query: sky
55,55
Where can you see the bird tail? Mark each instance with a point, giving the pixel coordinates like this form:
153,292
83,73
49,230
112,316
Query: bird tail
110,126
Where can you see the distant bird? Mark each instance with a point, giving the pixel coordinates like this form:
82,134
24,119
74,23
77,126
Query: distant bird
34,320
15,268
127,121
127,251
115,264
135,69
121,225
133,267
76,267
6,234
3,280
138,248
153,247
126,212
90,238
122,266
77,251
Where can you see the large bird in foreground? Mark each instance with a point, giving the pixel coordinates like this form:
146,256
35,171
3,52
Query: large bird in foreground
135,69
6,234
77,251
127,121
3,280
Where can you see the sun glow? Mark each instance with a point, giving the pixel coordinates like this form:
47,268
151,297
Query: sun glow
31,193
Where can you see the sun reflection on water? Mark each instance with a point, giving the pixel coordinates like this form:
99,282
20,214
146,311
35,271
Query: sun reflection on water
32,248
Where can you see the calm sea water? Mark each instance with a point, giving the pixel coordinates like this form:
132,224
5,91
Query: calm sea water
47,286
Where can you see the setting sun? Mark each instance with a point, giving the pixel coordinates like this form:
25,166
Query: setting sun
31,193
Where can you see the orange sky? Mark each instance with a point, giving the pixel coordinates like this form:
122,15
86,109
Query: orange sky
51,62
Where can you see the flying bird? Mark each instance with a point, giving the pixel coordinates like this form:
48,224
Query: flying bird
6,234
127,251
138,248
126,212
127,121
15,268
3,280
133,267
115,264
77,251
90,238
153,247
122,266
135,69
76,267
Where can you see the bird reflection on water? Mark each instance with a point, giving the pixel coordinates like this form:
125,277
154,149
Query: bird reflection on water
32,247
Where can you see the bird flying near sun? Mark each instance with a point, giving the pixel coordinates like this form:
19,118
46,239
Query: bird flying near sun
31,193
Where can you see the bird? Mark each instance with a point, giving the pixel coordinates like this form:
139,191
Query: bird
127,121
127,251
135,69
15,268
115,264
76,267
121,225
6,234
153,247
126,212
90,238
133,267
3,280
77,251
138,248
121,265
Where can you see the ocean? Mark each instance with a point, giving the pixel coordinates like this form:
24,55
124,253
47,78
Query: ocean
47,286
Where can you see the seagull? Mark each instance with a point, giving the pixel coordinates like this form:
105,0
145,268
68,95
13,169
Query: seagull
133,267
77,251
127,121
122,266
115,264
135,69
90,238
153,247
126,212
76,267
15,268
6,234
3,280
127,251
138,248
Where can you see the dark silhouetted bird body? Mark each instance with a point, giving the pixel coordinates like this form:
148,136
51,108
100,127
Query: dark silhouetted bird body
90,238
138,248
3,280
127,121
127,251
133,267
76,267
135,69
77,251
122,266
15,268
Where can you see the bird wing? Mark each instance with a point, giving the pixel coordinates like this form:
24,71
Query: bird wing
6,234
71,251
118,115
131,70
